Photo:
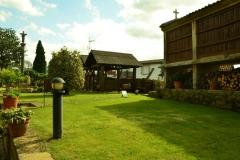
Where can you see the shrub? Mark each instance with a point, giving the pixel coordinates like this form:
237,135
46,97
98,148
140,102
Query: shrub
67,65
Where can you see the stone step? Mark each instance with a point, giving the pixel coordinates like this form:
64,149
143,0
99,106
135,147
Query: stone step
35,156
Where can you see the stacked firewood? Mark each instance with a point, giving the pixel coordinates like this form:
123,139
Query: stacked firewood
227,80
230,80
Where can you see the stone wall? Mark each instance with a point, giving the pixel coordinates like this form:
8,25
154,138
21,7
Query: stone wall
219,98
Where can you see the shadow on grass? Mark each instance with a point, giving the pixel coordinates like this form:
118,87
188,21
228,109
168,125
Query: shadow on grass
206,133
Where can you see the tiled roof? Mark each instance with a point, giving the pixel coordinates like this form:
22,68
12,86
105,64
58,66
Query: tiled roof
112,58
153,61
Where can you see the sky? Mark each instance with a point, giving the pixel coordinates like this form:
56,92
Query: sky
127,26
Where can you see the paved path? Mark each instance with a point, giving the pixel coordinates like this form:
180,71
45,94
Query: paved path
30,147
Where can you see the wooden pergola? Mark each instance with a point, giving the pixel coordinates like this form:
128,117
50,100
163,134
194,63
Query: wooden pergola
98,63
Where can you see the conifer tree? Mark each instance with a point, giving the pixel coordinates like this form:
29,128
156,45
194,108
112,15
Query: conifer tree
39,64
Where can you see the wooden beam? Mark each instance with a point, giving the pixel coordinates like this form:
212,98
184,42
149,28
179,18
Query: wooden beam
218,58
194,52
92,79
101,78
150,73
165,56
134,79
119,72
194,76
194,40
182,63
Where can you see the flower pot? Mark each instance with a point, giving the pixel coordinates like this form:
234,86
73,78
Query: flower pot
212,86
177,84
10,102
18,129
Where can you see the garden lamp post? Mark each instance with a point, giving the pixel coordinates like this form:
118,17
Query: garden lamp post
57,86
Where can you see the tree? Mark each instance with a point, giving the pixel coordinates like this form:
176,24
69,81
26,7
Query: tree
67,65
10,76
10,49
39,63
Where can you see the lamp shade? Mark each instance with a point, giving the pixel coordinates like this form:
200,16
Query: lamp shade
57,83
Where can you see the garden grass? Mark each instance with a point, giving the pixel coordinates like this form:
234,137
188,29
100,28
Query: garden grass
110,127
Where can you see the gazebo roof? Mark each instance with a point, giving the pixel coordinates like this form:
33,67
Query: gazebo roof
111,59
84,58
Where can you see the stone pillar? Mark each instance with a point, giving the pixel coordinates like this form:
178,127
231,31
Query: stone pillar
23,34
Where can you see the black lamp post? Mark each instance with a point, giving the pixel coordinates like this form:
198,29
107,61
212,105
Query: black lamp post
57,86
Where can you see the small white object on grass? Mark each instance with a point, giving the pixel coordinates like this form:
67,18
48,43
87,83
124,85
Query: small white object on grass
124,94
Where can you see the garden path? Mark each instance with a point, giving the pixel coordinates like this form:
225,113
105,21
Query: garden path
30,147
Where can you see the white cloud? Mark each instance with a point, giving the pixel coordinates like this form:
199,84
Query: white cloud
93,9
145,9
63,26
112,36
4,15
138,34
27,7
42,31
31,49
142,19
24,6
47,5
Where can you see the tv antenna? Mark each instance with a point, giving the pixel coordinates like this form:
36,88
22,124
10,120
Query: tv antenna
90,40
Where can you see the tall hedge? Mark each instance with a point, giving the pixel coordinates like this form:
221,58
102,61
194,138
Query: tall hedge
67,65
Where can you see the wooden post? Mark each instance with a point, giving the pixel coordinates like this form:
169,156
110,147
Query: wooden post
195,76
194,52
92,79
118,79
134,79
101,78
165,59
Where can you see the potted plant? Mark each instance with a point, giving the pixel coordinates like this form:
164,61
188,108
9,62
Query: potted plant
10,99
178,79
212,80
212,84
16,120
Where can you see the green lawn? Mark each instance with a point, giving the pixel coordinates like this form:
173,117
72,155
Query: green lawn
107,126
